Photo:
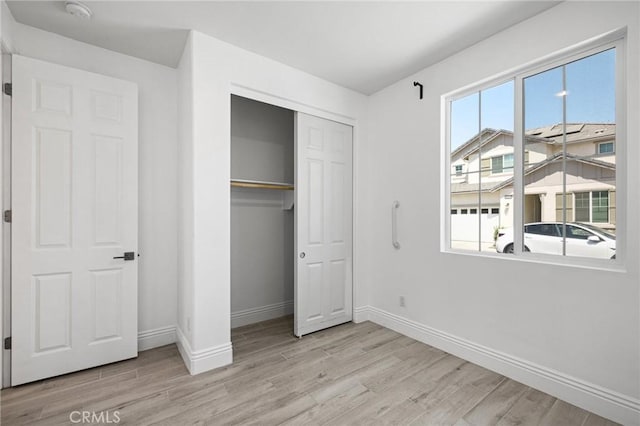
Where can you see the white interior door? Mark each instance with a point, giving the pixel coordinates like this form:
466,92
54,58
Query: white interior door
323,214
74,201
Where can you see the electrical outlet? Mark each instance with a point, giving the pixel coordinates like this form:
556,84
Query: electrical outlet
402,302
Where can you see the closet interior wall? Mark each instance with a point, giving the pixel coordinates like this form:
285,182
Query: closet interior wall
262,224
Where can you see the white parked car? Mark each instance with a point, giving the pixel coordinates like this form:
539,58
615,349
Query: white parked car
546,237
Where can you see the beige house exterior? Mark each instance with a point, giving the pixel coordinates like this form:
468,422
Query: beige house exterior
482,168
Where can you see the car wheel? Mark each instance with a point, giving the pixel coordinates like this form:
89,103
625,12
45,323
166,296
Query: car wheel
509,249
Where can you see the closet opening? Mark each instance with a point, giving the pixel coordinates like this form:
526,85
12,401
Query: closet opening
291,224
262,222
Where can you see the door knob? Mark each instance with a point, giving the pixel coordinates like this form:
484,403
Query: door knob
129,255
302,255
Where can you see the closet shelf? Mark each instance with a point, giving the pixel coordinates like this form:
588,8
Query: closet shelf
241,183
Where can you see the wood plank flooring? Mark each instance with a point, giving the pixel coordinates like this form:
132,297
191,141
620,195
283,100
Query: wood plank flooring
353,374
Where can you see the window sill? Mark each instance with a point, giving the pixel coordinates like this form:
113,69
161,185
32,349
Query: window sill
570,262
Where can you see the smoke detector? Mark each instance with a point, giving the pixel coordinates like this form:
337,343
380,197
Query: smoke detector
78,9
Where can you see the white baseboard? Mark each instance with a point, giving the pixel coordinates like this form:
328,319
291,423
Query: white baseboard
261,313
361,314
604,402
205,359
150,339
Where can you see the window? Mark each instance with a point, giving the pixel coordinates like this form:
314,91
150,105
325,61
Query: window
564,107
454,211
550,175
582,200
578,233
496,165
463,211
502,164
548,229
606,148
507,162
600,207
592,206
479,122
459,170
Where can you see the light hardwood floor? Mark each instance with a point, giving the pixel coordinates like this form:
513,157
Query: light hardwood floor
351,374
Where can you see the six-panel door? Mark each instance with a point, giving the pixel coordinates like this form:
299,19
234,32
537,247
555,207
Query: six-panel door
323,289
74,201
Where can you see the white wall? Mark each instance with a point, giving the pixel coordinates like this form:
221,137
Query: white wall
261,229
261,141
577,326
218,69
7,25
185,298
157,170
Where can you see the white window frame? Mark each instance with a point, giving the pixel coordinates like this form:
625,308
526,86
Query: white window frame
615,39
606,143
503,169
590,221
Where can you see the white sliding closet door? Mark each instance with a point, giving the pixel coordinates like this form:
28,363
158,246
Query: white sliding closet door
323,214
74,190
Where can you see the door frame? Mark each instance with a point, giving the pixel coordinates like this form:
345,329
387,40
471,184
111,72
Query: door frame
5,179
296,106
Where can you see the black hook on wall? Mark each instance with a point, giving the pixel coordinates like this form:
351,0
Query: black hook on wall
415,83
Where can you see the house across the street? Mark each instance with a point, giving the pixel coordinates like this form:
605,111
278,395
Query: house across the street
486,162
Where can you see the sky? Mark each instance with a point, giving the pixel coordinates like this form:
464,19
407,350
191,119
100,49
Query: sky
590,87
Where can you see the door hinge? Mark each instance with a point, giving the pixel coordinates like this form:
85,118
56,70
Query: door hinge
7,342
7,89
7,216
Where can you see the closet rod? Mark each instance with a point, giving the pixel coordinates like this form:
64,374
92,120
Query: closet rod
261,184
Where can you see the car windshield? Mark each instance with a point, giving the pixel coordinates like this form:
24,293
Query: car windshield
599,230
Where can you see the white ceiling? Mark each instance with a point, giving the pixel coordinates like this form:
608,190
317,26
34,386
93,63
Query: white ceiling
361,45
